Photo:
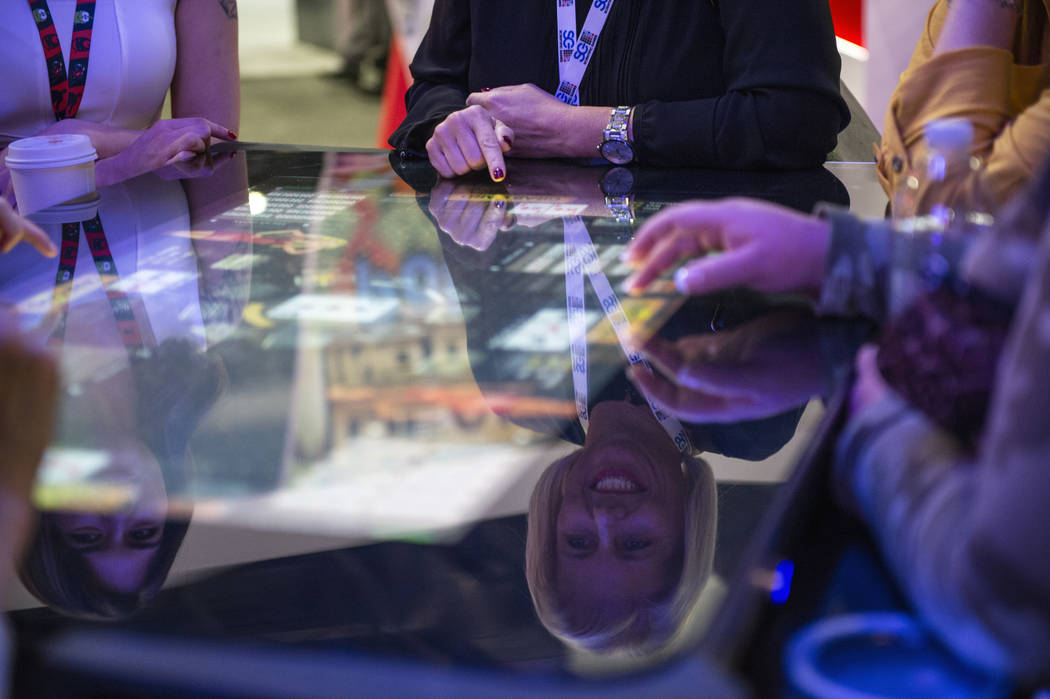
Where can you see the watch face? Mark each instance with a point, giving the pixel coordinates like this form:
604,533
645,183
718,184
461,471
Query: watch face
617,152
617,182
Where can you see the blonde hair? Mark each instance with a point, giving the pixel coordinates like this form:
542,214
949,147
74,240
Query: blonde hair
654,625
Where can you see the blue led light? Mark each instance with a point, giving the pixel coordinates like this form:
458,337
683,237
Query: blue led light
781,588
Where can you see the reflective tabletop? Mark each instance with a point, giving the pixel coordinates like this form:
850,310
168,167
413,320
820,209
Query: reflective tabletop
327,401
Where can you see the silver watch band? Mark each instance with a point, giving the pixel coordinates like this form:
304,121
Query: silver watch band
616,129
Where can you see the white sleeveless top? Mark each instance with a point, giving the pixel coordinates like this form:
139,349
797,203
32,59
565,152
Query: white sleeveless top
129,72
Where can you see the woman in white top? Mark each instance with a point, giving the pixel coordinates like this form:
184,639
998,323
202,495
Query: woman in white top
139,49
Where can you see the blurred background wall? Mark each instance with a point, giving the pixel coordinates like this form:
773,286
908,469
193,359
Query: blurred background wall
314,71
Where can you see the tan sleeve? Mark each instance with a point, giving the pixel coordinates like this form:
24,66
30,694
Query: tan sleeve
1020,149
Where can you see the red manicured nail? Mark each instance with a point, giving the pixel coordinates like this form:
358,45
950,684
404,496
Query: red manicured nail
232,134
498,175
485,89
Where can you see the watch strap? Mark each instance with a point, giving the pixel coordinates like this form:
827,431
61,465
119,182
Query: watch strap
616,129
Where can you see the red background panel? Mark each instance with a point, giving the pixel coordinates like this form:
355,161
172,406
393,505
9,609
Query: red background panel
849,19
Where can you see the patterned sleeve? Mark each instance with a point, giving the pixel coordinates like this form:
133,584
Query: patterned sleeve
965,534
855,276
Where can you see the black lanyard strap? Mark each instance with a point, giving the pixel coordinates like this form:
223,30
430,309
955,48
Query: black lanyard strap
67,89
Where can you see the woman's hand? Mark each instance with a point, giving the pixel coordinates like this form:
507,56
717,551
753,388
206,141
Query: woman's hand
763,246
470,139
14,228
167,142
544,126
868,387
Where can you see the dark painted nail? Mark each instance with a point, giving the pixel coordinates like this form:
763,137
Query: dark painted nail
232,134
485,89
498,175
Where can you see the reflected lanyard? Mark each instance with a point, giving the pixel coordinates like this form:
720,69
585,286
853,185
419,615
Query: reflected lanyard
120,304
580,257
575,52
67,91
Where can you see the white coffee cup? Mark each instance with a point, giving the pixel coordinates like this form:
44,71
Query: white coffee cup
50,170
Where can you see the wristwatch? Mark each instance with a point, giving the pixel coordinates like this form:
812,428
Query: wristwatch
615,147
617,185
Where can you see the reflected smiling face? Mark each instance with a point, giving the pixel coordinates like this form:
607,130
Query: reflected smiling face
619,532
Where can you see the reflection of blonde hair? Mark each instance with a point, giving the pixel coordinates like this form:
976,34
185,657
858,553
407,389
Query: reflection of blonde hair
652,625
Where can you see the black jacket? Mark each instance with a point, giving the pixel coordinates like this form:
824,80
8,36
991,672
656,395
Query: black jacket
741,84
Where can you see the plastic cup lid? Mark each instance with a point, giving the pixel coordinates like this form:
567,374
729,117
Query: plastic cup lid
55,150
949,133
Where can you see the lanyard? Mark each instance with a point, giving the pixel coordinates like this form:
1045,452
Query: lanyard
580,257
67,89
120,304
574,53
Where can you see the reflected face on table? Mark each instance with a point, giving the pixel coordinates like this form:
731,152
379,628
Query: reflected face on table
622,514
119,548
619,531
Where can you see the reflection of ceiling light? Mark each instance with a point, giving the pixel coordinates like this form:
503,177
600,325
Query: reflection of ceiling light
256,203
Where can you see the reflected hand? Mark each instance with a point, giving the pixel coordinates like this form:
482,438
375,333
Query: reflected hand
471,223
868,387
758,370
167,142
202,165
14,228
470,139
763,246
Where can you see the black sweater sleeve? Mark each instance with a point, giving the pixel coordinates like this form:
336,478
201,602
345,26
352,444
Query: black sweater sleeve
781,108
439,71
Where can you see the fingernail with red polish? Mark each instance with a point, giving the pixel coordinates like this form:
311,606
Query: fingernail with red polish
232,134
485,89
498,175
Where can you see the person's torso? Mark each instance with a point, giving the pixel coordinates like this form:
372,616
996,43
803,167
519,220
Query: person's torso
131,64
671,53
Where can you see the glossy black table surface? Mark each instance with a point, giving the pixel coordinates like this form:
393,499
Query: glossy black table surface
305,417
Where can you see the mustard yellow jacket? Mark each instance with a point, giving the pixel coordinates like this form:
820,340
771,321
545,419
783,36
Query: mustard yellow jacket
1005,94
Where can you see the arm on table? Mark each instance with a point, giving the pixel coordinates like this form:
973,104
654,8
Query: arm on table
966,535
439,72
